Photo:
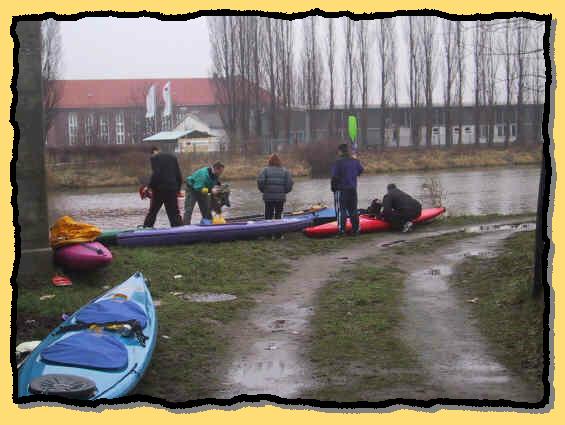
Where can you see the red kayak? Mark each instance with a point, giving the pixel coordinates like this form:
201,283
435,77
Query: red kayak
368,224
83,256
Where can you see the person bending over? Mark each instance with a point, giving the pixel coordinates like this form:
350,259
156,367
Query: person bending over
400,209
199,185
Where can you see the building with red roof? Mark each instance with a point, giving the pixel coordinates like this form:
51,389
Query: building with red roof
114,111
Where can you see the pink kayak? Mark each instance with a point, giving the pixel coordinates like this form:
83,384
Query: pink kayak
83,256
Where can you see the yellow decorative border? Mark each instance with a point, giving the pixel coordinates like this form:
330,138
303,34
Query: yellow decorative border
269,414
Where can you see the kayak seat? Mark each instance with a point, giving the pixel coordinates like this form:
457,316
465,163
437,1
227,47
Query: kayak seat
112,310
87,349
69,386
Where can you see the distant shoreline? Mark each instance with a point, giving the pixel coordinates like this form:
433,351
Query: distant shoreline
127,171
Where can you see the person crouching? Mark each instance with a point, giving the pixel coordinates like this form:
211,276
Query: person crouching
400,209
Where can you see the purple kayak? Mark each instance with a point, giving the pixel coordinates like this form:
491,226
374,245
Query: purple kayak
213,233
83,256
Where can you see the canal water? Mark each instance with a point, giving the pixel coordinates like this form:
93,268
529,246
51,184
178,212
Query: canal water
465,192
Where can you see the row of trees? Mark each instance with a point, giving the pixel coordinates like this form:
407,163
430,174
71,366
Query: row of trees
269,66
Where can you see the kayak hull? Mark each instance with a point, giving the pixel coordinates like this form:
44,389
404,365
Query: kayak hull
83,257
109,384
213,233
321,216
369,224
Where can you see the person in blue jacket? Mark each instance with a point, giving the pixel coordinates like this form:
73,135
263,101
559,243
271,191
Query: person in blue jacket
345,172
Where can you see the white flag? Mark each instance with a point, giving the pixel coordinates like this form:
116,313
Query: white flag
168,108
150,102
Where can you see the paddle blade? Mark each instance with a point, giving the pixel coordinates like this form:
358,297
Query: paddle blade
352,127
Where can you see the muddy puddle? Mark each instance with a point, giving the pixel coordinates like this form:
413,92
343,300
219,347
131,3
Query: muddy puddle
204,297
439,327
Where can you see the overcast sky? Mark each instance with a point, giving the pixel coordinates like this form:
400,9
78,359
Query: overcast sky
96,48
100,48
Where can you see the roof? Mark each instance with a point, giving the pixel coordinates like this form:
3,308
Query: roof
127,93
173,136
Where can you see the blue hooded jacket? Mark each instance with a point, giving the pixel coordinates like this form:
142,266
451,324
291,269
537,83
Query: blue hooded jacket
345,172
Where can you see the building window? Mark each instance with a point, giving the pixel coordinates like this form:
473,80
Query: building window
483,130
298,136
73,128
513,130
89,127
120,129
499,116
500,130
103,128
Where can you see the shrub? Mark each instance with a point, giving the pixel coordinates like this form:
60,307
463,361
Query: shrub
320,156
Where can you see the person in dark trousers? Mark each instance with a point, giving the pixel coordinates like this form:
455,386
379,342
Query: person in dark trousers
274,182
199,185
400,209
165,183
345,172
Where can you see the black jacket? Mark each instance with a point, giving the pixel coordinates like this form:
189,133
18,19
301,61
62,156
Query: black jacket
274,183
401,202
166,172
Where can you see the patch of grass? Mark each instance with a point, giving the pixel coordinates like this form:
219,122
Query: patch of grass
507,313
462,220
183,365
427,245
355,348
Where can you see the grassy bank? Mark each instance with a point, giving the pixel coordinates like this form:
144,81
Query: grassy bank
192,339
507,313
128,167
355,349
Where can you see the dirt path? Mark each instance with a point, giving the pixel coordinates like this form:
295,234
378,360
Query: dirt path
268,347
438,326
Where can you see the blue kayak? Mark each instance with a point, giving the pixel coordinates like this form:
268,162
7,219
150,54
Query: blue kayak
213,233
100,352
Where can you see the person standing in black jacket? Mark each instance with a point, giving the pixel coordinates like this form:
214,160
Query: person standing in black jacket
165,184
400,209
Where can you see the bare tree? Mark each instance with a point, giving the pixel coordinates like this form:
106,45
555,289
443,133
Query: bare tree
364,60
330,48
349,64
509,75
427,38
460,81
311,64
387,60
450,34
271,70
478,63
222,40
522,34
287,75
51,65
414,82
490,67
